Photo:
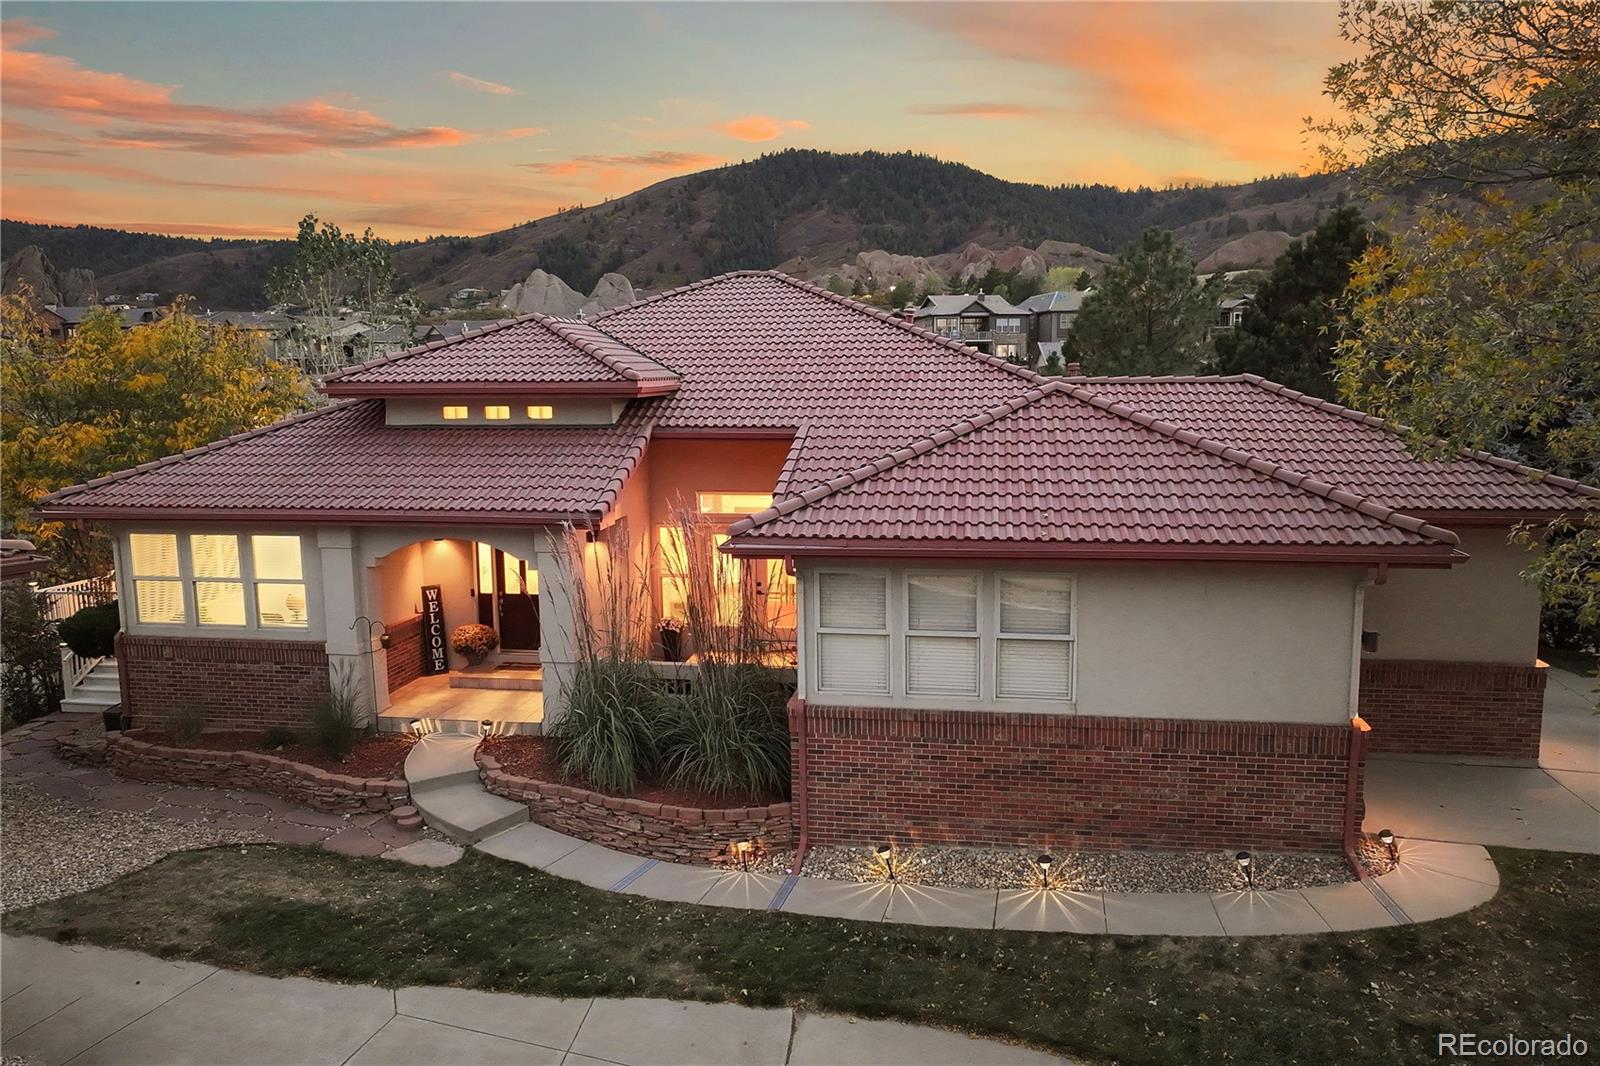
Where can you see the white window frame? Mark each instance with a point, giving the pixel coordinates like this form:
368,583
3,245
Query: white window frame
127,576
887,632
1070,639
310,578
907,634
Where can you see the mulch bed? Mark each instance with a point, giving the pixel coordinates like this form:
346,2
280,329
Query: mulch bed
373,757
535,757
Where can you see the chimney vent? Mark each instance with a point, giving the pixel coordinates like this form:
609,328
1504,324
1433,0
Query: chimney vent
1074,370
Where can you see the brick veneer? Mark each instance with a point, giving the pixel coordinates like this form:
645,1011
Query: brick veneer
233,684
675,834
1065,781
405,652
1419,706
130,756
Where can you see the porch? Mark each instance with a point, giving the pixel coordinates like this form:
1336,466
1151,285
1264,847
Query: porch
461,701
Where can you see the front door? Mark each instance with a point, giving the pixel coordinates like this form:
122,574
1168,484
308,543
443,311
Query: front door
517,600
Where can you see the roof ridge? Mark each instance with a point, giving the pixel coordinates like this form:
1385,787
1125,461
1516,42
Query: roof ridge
237,438
1363,505
558,326
1401,429
1155,379
428,346
675,291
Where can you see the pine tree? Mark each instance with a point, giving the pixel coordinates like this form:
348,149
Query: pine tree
1148,314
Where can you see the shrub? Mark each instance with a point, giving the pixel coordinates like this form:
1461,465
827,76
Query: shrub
474,641
607,733
339,718
92,631
278,737
729,733
188,725
31,669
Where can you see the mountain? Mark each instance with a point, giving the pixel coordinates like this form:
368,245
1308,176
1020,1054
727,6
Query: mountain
32,271
810,211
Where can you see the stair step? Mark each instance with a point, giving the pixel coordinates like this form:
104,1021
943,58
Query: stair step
466,813
78,704
98,685
441,760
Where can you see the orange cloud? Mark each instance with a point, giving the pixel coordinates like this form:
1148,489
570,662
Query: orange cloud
478,85
642,161
983,110
760,127
128,112
525,131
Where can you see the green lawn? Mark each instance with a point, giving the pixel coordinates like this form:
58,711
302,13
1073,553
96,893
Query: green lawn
1515,965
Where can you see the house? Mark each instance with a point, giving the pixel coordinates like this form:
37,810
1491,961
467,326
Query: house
1050,318
1230,313
63,321
1086,612
20,559
987,323
470,297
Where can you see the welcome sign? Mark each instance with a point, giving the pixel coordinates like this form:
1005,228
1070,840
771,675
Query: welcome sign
435,656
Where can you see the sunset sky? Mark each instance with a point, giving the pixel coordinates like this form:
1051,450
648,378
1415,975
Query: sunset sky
234,119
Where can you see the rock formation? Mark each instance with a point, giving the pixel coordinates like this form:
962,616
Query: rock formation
543,294
30,268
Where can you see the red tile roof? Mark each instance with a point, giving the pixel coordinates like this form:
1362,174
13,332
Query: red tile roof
344,461
1064,471
533,350
1343,446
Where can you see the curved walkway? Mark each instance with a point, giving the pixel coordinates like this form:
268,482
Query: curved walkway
1433,879
85,1005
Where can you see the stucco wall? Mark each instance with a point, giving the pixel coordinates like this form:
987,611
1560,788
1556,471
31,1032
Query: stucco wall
1222,643
1478,611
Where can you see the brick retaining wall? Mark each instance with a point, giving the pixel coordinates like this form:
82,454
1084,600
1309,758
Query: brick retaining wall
1430,707
1065,781
675,834
231,683
257,771
405,652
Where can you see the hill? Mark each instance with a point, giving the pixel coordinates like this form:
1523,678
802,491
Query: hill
806,210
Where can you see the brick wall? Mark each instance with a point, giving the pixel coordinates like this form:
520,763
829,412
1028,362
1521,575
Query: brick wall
232,684
1064,781
1427,707
405,652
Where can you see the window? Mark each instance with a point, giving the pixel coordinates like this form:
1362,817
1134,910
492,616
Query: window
942,634
496,413
1008,325
541,412
1033,637
218,581
454,413
853,632
740,503
1006,351
280,588
157,590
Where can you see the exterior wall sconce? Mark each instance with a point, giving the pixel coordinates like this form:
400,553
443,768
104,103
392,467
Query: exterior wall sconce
1247,867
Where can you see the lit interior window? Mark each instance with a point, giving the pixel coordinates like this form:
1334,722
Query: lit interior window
280,588
218,601
152,557
541,411
497,413
454,413
674,560
733,502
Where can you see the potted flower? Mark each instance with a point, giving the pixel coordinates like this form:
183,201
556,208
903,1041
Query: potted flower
672,640
474,641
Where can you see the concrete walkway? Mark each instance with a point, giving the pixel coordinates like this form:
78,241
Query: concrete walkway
83,1005
1553,806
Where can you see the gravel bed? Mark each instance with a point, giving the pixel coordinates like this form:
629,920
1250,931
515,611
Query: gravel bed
54,848
1086,871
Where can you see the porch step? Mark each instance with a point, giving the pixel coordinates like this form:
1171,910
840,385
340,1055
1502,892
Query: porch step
466,813
441,761
530,680
99,690
460,727
81,704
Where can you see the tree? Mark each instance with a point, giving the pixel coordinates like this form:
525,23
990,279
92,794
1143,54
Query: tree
1085,282
109,398
1481,328
1289,332
1061,279
30,670
1149,314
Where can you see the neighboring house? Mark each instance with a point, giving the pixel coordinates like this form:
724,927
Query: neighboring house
470,297
1050,318
20,559
63,321
1099,612
1230,313
988,323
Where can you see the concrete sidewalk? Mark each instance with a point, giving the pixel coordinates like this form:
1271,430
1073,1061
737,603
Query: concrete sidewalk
84,1005
1553,806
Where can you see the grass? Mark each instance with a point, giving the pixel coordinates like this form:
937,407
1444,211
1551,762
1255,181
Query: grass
1515,965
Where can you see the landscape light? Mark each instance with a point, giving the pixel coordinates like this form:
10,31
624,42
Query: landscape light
1386,837
416,726
486,727
1044,862
743,850
1245,864
885,853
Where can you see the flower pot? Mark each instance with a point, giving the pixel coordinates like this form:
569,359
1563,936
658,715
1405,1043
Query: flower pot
112,718
672,645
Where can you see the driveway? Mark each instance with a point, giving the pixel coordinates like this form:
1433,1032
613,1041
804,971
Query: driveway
1554,806
84,1005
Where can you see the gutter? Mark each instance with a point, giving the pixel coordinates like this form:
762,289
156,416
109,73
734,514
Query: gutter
797,787
1359,729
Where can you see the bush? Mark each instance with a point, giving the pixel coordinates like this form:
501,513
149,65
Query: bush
278,737
339,719
31,663
729,733
188,725
474,641
92,631
607,734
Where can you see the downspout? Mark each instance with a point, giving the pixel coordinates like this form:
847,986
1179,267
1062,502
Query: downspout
797,726
1359,729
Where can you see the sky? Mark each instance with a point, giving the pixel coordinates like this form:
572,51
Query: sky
414,119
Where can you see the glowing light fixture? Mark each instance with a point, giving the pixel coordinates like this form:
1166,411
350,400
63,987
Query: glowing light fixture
885,854
743,851
416,726
486,727
1045,862
1386,838
1247,867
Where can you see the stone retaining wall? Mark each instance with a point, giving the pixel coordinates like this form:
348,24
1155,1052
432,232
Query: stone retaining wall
252,770
674,834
